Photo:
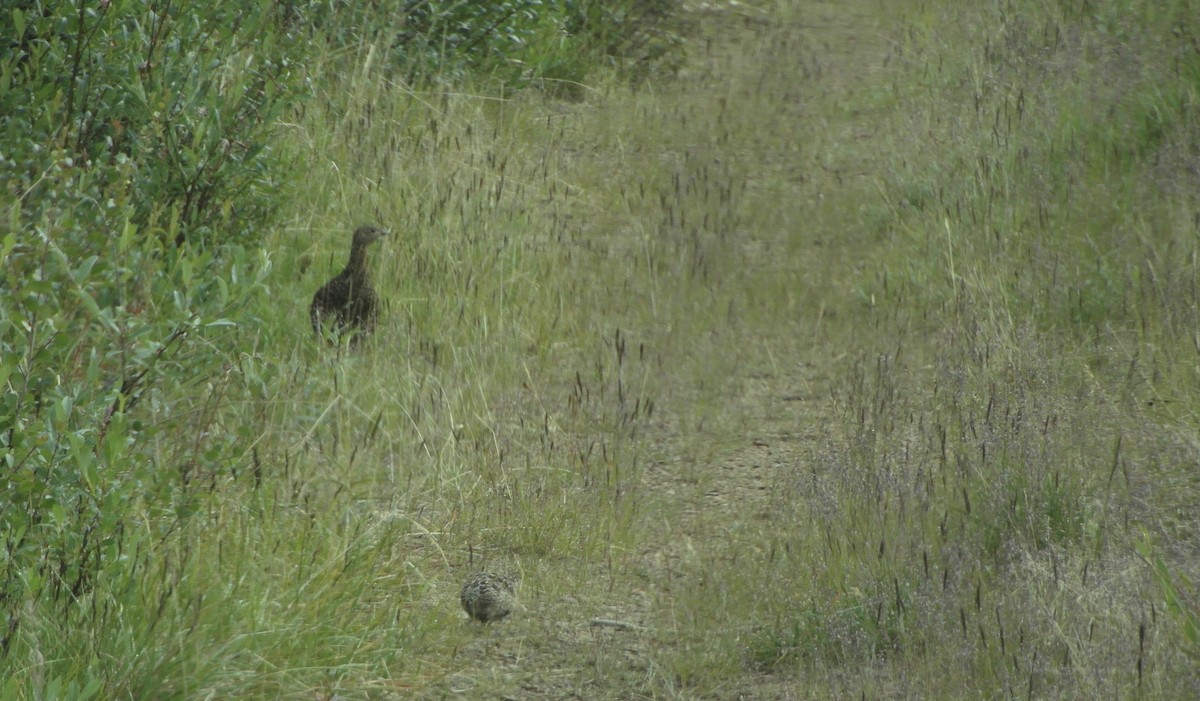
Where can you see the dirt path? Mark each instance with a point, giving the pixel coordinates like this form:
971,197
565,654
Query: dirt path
764,96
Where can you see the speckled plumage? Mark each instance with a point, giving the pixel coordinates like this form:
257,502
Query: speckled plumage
348,301
488,597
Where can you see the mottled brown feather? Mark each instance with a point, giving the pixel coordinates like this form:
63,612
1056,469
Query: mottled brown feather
488,597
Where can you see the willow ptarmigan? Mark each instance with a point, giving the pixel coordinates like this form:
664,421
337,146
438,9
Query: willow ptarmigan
348,302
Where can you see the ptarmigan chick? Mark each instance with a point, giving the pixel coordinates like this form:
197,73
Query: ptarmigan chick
488,597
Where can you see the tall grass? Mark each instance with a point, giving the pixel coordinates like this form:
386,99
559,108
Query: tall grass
856,359
1014,425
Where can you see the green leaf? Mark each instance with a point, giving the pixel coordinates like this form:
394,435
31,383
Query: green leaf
11,688
127,234
90,691
85,268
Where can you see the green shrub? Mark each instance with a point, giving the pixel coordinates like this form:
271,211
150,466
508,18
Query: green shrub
518,43
152,111
135,144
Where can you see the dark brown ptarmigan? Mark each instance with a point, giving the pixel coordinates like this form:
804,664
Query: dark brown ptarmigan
488,597
348,301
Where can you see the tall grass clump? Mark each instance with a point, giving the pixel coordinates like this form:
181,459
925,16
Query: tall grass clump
997,507
509,46
1025,428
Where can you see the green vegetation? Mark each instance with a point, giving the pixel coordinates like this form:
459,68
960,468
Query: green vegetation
820,349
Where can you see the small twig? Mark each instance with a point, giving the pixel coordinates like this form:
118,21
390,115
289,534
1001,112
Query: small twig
132,388
616,624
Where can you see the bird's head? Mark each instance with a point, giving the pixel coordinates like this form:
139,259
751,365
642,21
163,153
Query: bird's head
367,234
